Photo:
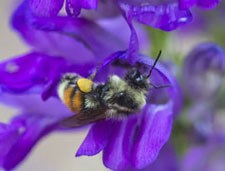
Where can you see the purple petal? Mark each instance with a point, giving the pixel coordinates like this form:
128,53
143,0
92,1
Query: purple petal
97,138
106,9
165,16
45,7
8,136
73,7
118,152
204,64
194,158
209,157
135,143
206,4
114,24
166,161
186,4
31,130
77,39
201,115
90,34
34,69
114,154
154,132
33,104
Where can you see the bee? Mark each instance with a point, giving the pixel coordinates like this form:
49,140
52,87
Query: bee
115,99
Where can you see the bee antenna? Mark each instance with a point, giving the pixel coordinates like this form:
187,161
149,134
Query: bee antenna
155,62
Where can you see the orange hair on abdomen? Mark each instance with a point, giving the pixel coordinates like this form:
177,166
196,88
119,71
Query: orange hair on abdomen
73,101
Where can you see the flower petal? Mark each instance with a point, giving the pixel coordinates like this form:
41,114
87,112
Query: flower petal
33,104
8,136
186,4
154,132
78,40
207,4
136,142
165,161
97,138
201,115
118,152
207,157
73,7
204,68
45,7
22,73
113,154
31,129
166,16
105,10
112,25
90,34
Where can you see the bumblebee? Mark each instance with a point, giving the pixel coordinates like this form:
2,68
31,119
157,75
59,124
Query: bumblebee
116,98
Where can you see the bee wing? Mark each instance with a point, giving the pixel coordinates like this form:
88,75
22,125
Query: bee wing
82,119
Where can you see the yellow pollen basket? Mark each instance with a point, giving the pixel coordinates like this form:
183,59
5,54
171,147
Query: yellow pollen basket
85,85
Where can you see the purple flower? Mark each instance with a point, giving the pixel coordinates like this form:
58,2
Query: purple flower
165,15
144,134
209,157
136,141
162,15
203,127
204,68
62,44
46,34
23,79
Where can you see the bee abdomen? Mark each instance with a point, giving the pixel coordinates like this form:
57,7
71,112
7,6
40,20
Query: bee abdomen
73,99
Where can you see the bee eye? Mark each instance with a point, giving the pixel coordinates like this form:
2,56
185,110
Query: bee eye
135,76
135,79
121,98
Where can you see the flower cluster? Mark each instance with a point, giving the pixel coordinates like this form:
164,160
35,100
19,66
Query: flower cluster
76,40
204,67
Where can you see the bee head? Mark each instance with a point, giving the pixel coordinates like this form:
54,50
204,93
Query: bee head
139,81
136,79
